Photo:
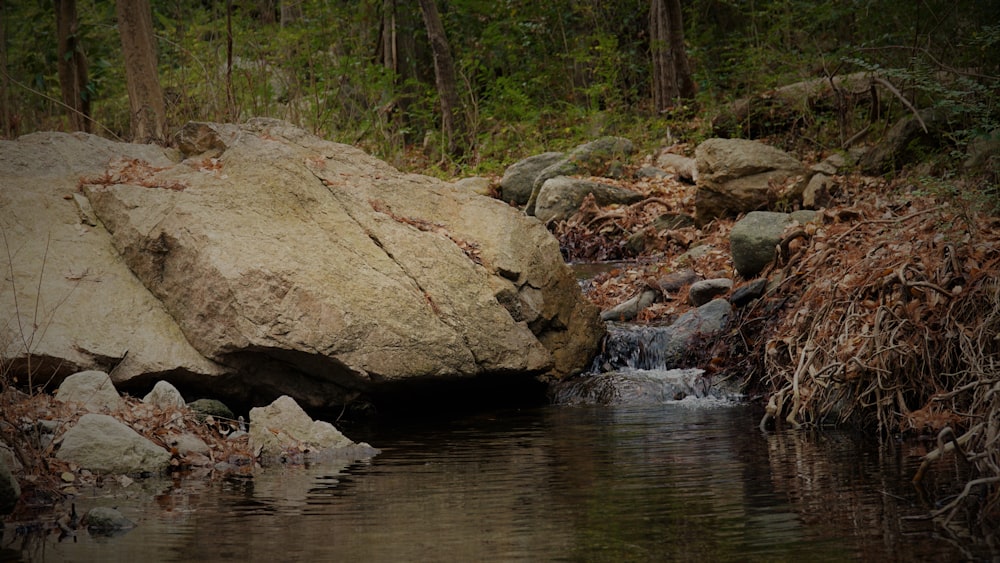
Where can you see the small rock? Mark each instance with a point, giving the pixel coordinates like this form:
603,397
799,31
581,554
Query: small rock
747,293
651,172
101,443
211,407
676,280
93,389
630,309
704,291
284,425
105,520
164,395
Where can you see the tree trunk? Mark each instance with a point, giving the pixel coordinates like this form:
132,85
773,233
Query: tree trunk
444,72
7,128
672,78
148,112
72,67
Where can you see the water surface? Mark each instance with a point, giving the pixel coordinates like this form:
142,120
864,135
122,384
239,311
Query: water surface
686,481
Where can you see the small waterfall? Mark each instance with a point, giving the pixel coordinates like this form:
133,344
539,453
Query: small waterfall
640,365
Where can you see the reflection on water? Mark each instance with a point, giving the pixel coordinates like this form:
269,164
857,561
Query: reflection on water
666,482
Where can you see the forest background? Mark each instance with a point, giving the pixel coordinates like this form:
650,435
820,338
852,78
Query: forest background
526,77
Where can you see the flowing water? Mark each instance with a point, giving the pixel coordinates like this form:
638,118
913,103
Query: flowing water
690,480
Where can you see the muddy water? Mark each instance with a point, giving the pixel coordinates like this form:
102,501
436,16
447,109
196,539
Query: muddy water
691,480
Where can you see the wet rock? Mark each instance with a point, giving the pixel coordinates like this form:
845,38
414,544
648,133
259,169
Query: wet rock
702,292
92,389
596,158
10,491
283,427
738,176
560,197
164,395
105,520
518,179
101,443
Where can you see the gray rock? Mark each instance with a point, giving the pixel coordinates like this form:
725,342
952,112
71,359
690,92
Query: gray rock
212,407
744,294
283,426
10,491
817,192
188,443
596,158
103,519
560,197
101,443
684,167
518,179
737,176
676,280
92,389
753,240
651,172
164,395
702,292
629,309
906,141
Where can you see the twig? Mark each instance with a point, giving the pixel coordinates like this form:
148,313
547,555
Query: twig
888,221
902,98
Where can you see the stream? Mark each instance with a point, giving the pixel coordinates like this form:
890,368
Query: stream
689,480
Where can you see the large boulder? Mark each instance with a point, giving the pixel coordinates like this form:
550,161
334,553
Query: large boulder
71,304
560,197
737,176
276,263
99,442
600,157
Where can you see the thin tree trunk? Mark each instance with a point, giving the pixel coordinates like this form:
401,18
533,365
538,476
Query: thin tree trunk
686,86
664,83
7,128
72,66
444,72
148,112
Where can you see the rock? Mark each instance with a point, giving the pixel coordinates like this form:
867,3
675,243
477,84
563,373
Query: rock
164,395
737,176
817,192
99,442
518,179
92,389
906,141
674,281
702,292
629,309
188,443
283,426
475,184
753,239
197,138
684,168
596,158
297,266
651,172
10,491
560,197
745,294
212,407
66,262
103,519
